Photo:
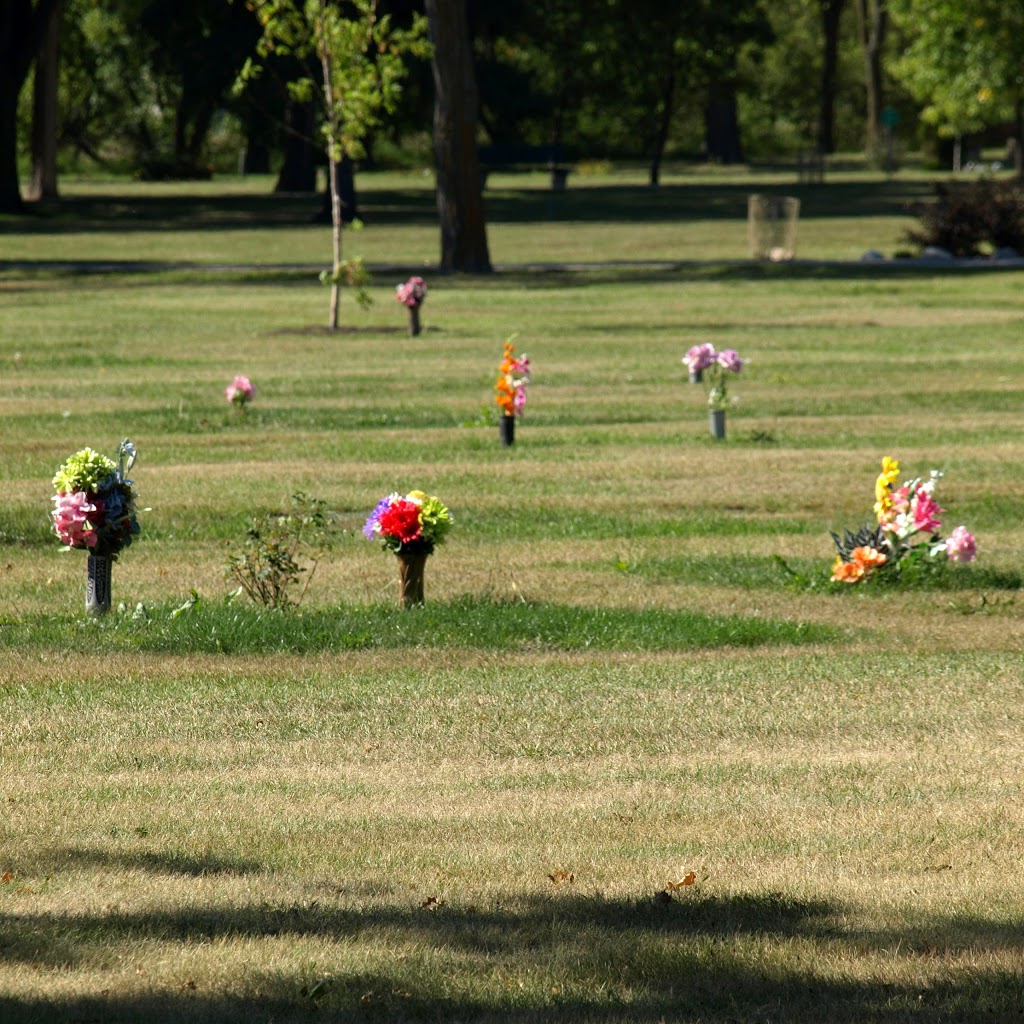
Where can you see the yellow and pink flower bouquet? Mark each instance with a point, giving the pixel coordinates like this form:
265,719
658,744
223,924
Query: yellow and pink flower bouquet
904,542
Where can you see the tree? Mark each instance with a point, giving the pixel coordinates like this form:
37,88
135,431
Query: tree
964,61
459,190
22,24
43,181
831,17
872,23
353,68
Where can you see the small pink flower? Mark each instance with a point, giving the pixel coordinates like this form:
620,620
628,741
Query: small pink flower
961,546
412,293
926,511
76,518
730,359
240,391
700,357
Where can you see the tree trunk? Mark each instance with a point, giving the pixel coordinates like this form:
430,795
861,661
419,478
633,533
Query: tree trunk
831,16
1018,131
298,172
43,182
22,24
723,128
332,184
668,94
346,193
872,21
460,204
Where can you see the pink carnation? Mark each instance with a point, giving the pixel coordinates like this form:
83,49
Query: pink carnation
730,359
76,518
412,293
240,391
700,357
961,546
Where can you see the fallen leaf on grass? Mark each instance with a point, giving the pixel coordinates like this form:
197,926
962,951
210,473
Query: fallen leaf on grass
690,878
7,876
558,877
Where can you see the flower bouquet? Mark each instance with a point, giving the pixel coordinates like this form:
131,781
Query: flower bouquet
410,526
703,360
94,509
904,543
510,390
411,294
240,392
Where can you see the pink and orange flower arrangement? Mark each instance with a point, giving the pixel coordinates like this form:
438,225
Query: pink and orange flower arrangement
906,536
416,522
513,379
94,508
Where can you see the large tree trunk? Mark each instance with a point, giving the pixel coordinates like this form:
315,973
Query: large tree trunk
872,21
43,181
831,15
346,180
459,194
668,94
298,172
722,139
21,28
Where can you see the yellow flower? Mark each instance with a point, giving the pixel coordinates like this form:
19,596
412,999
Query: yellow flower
883,485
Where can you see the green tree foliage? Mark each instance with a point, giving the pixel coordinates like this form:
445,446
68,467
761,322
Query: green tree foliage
142,81
964,60
352,64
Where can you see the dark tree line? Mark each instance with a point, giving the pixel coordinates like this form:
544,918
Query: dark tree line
141,84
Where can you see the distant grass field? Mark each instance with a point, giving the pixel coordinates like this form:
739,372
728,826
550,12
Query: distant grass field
486,809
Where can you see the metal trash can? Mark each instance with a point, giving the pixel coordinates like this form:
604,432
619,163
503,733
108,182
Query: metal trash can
771,227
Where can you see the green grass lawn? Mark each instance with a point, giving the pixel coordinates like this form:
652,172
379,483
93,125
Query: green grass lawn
486,809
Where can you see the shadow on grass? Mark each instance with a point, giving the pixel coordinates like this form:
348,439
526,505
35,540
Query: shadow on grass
129,211
466,623
534,276
550,960
166,862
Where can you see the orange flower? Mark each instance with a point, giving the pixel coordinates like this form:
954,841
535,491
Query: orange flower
870,558
847,572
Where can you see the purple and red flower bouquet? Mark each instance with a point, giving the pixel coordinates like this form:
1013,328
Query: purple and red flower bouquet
94,507
416,522
411,527
905,543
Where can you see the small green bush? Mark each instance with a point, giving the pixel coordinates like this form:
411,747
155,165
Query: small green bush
268,567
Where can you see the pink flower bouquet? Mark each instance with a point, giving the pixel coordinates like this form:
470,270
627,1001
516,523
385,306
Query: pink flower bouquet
241,391
703,360
94,507
411,295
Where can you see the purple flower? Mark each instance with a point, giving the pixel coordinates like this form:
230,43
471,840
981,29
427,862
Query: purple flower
372,526
730,359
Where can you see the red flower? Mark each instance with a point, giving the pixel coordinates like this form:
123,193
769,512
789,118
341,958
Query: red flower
401,520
